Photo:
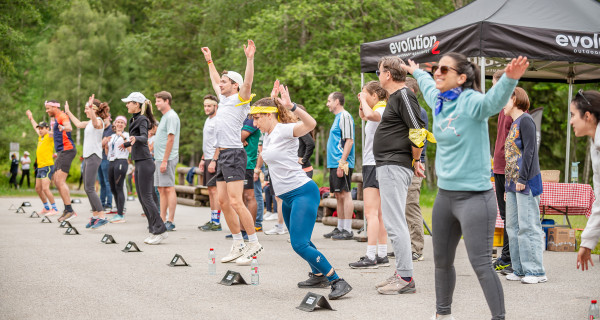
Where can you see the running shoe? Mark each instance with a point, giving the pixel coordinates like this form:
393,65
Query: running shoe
99,223
344,235
117,219
332,233
386,281
91,223
364,263
442,317
158,238
339,288
250,250
236,251
270,216
277,230
417,257
210,226
45,211
534,279
170,226
506,271
398,286
67,216
258,229
314,281
513,277
52,213
499,265
149,238
383,261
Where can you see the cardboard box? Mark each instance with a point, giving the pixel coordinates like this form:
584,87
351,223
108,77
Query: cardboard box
561,239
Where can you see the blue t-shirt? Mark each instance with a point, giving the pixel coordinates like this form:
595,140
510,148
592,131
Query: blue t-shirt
341,129
522,162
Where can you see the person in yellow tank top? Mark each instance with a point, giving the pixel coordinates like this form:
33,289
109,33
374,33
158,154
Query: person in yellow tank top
45,165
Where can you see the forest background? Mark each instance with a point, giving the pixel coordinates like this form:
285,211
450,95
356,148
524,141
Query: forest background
68,50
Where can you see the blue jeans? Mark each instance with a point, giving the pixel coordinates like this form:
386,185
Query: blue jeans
525,234
105,193
260,203
300,213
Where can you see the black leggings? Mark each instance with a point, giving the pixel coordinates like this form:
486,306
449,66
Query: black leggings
144,185
117,169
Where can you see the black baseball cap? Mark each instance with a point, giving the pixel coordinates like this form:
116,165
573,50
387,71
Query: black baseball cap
43,124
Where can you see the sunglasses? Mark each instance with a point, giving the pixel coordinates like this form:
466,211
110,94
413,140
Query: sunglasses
443,69
580,92
377,72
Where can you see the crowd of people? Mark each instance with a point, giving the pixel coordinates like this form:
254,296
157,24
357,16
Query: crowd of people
273,137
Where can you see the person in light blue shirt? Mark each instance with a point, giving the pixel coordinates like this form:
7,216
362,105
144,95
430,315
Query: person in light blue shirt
465,204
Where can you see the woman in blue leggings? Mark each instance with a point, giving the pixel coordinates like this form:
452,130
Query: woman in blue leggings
277,119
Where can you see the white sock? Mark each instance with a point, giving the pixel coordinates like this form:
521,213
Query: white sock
252,238
382,250
340,223
371,250
237,236
348,225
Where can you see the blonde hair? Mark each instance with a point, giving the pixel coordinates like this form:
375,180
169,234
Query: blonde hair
283,115
147,111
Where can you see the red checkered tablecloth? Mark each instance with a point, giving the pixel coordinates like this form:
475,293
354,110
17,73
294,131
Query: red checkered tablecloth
575,197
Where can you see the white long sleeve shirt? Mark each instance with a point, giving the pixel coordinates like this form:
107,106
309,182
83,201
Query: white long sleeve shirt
591,234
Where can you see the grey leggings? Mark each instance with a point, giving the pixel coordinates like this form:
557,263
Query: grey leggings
90,172
471,214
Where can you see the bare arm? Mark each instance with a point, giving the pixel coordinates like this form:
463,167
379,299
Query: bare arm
347,148
307,123
246,88
76,122
33,123
365,112
169,147
212,70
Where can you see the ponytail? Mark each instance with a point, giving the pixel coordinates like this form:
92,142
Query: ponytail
147,111
283,115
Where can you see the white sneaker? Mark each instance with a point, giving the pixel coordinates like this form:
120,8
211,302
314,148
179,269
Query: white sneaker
442,317
149,238
158,238
534,279
513,277
277,231
252,249
236,251
271,217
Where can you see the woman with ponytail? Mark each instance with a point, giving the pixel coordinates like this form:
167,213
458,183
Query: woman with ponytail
92,154
373,99
277,119
465,204
141,109
585,119
117,168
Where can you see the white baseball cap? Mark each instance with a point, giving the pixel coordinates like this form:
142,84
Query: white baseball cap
135,97
236,77
26,153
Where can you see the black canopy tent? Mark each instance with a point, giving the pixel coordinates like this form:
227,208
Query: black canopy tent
560,38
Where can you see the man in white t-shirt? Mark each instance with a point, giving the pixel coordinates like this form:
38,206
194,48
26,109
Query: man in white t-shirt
234,104
166,155
25,163
211,103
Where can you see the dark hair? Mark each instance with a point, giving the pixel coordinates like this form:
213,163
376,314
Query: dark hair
211,97
412,84
498,74
165,95
521,99
467,68
374,87
53,101
592,105
393,64
338,96
103,109
284,115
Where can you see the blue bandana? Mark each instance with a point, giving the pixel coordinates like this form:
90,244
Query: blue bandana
449,95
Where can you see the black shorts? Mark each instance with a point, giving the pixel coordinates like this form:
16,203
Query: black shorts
339,184
208,179
369,175
64,160
231,165
44,172
249,180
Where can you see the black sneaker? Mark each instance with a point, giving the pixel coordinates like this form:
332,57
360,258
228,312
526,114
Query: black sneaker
332,233
314,281
364,263
344,235
382,261
508,270
391,254
500,265
339,288
417,257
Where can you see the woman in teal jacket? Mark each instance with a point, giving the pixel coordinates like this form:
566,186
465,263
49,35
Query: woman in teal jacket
465,204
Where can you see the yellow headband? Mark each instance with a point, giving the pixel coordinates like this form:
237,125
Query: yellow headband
265,109
380,104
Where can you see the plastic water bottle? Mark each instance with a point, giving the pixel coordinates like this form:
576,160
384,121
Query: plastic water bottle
254,271
594,313
212,265
574,172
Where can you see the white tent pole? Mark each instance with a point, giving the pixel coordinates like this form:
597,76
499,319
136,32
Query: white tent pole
482,66
568,152
362,127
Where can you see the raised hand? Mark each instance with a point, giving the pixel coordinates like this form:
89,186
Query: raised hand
250,50
275,90
207,54
285,99
67,107
29,115
410,67
91,101
516,68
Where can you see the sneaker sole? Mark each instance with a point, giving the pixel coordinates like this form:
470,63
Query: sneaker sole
403,291
320,285
337,239
365,267
383,264
250,261
118,221
223,260
71,217
98,226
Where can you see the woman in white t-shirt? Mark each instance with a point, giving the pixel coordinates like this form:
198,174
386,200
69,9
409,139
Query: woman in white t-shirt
117,168
96,111
276,118
373,99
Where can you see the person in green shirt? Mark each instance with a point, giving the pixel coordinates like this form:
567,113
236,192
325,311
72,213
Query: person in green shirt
250,137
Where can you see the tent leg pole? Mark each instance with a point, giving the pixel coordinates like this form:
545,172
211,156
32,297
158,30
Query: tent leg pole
362,127
482,71
568,152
